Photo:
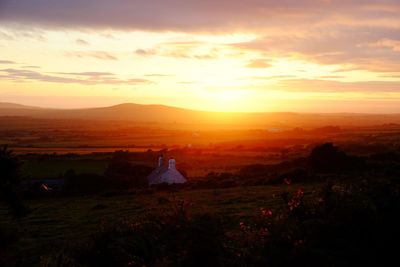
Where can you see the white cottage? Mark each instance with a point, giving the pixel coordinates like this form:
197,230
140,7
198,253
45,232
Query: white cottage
166,174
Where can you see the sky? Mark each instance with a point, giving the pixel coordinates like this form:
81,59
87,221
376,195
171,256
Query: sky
226,55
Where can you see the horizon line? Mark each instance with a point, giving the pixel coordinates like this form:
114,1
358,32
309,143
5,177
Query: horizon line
198,110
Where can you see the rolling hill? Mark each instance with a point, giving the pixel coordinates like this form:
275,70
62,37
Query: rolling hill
168,115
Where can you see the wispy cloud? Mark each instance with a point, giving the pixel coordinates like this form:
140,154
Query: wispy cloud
81,42
383,43
315,85
183,50
69,77
145,52
361,47
23,75
87,74
103,55
158,75
179,51
31,67
7,62
258,63
18,31
271,77
189,15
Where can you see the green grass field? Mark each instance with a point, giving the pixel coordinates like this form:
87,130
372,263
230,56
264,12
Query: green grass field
57,223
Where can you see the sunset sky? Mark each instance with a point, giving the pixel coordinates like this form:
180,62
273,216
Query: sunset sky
226,55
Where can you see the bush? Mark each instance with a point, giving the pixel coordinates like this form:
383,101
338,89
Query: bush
122,175
354,224
328,158
170,239
84,183
59,260
10,182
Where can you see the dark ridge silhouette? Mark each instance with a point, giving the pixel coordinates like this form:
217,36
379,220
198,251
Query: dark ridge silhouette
10,182
167,114
329,158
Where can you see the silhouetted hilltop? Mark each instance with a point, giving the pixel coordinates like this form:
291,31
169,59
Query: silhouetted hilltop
6,105
167,114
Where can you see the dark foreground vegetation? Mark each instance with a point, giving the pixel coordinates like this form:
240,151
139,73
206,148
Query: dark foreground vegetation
326,209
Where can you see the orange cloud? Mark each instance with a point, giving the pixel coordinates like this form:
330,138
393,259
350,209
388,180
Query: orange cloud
258,63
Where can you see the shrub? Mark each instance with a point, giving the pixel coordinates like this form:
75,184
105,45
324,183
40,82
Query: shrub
60,260
354,224
328,158
122,175
10,182
84,183
171,239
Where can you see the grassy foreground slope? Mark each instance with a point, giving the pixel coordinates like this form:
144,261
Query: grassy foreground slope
55,224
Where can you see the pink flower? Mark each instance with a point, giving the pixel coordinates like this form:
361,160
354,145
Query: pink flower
287,181
243,226
266,212
300,192
264,232
298,242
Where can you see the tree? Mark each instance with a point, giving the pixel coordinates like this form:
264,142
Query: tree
83,183
122,174
10,181
329,158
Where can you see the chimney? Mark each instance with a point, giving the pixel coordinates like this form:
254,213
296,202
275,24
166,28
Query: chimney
172,164
160,161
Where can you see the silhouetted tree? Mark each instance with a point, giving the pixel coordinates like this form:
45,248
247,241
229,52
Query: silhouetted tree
10,181
328,158
83,183
120,155
122,174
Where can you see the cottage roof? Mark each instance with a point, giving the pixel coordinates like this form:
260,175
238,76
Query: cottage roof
166,174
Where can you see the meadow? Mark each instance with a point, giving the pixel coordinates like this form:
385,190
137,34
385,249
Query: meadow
260,198
56,224
345,223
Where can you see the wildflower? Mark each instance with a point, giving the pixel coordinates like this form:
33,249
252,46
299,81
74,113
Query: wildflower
266,212
300,192
298,242
287,181
293,203
264,232
243,226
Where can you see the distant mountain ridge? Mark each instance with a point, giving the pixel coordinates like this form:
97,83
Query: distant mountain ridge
167,114
127,111
6,105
